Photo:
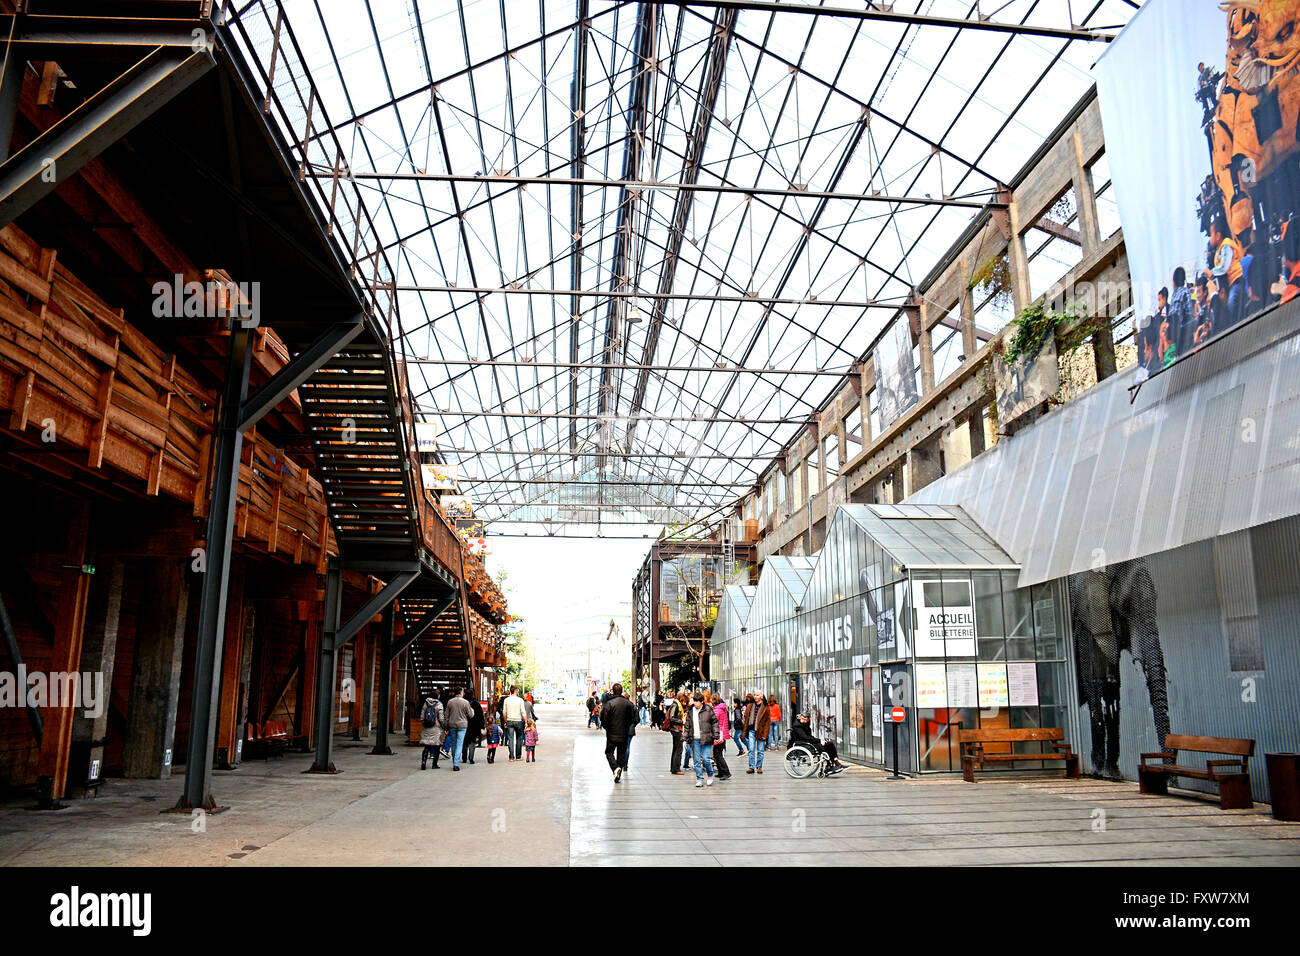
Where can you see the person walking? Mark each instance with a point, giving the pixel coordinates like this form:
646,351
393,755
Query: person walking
774,718
431,735
530,711
474,732
757,726
684,702
738,726
494,736
701,726
530,740
720,741
620,724
514,714
642,710
593,716
459,713
673,713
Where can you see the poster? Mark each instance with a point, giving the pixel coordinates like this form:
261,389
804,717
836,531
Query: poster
1204,162
945,618
895,372
440,477
456,506
1022,682
962,690
931,686
993,685
426,438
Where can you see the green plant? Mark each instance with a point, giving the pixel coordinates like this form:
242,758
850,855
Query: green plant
993,278
1036,322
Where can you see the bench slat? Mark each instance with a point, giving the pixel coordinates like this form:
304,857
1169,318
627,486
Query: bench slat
1010,735
1210,745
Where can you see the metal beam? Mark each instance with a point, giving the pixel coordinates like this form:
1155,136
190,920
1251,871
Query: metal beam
11,88
216,578
423,625
381,748
483,291
44,36
96,124
578,154
730,369
327,672
299,369
643,417
15,655
387,595
567,453
914,19
637,186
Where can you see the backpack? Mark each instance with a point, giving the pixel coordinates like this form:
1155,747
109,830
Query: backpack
669,710
429,720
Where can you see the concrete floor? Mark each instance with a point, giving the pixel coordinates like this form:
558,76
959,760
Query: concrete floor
566,809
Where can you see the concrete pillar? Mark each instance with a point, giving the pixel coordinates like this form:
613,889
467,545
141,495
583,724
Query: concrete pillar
98,650
156,677
927,354
1103,351
1086,199
976,426
969,342
1018,261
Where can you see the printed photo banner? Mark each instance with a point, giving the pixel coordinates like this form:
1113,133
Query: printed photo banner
895,372
1199,101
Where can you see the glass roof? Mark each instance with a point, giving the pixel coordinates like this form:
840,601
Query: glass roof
647,349
929,536
793,572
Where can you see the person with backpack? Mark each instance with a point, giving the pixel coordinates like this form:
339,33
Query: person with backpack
701,726
593,712
431,734
673,713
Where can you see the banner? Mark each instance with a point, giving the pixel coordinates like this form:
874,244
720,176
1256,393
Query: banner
444,477
895,373
1199,102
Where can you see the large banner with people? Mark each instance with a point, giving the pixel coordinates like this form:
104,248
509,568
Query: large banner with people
895,372
1199,100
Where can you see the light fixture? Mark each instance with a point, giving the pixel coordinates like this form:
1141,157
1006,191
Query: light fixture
635,315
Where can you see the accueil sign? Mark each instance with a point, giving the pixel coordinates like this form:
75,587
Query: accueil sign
945,618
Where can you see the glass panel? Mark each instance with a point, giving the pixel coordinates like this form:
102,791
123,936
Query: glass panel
989,628
1019,620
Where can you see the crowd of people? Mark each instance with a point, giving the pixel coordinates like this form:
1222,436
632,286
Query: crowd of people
454,726
701,724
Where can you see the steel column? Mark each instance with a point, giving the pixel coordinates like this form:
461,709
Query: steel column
327,672
11,87
382,703
216,578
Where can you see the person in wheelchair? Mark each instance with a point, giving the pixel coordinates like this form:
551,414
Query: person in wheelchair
801,735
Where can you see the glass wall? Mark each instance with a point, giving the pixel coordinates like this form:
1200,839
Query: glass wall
849,633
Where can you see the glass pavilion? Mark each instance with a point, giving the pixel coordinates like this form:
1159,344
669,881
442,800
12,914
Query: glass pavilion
905,605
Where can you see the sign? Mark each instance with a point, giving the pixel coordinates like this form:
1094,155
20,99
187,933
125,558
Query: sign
993,685
945,618
931,686
898,715
962,686
444,477
456,506
426,438
1202,97
1022,680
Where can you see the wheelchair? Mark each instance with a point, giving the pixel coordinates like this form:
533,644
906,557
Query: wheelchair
802,762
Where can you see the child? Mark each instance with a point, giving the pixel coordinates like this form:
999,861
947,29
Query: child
493,740
530,741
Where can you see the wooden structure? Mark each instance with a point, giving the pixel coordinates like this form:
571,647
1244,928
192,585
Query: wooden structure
675,599
1232,776
216,500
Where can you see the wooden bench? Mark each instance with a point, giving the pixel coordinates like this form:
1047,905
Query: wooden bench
973,741
267,740
1231,776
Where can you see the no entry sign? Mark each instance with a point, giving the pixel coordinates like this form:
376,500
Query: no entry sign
898,715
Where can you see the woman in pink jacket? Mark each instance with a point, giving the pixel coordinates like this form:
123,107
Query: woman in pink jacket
720,742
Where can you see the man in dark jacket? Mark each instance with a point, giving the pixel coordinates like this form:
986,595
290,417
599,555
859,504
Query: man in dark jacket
619,718
801,735
474,731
